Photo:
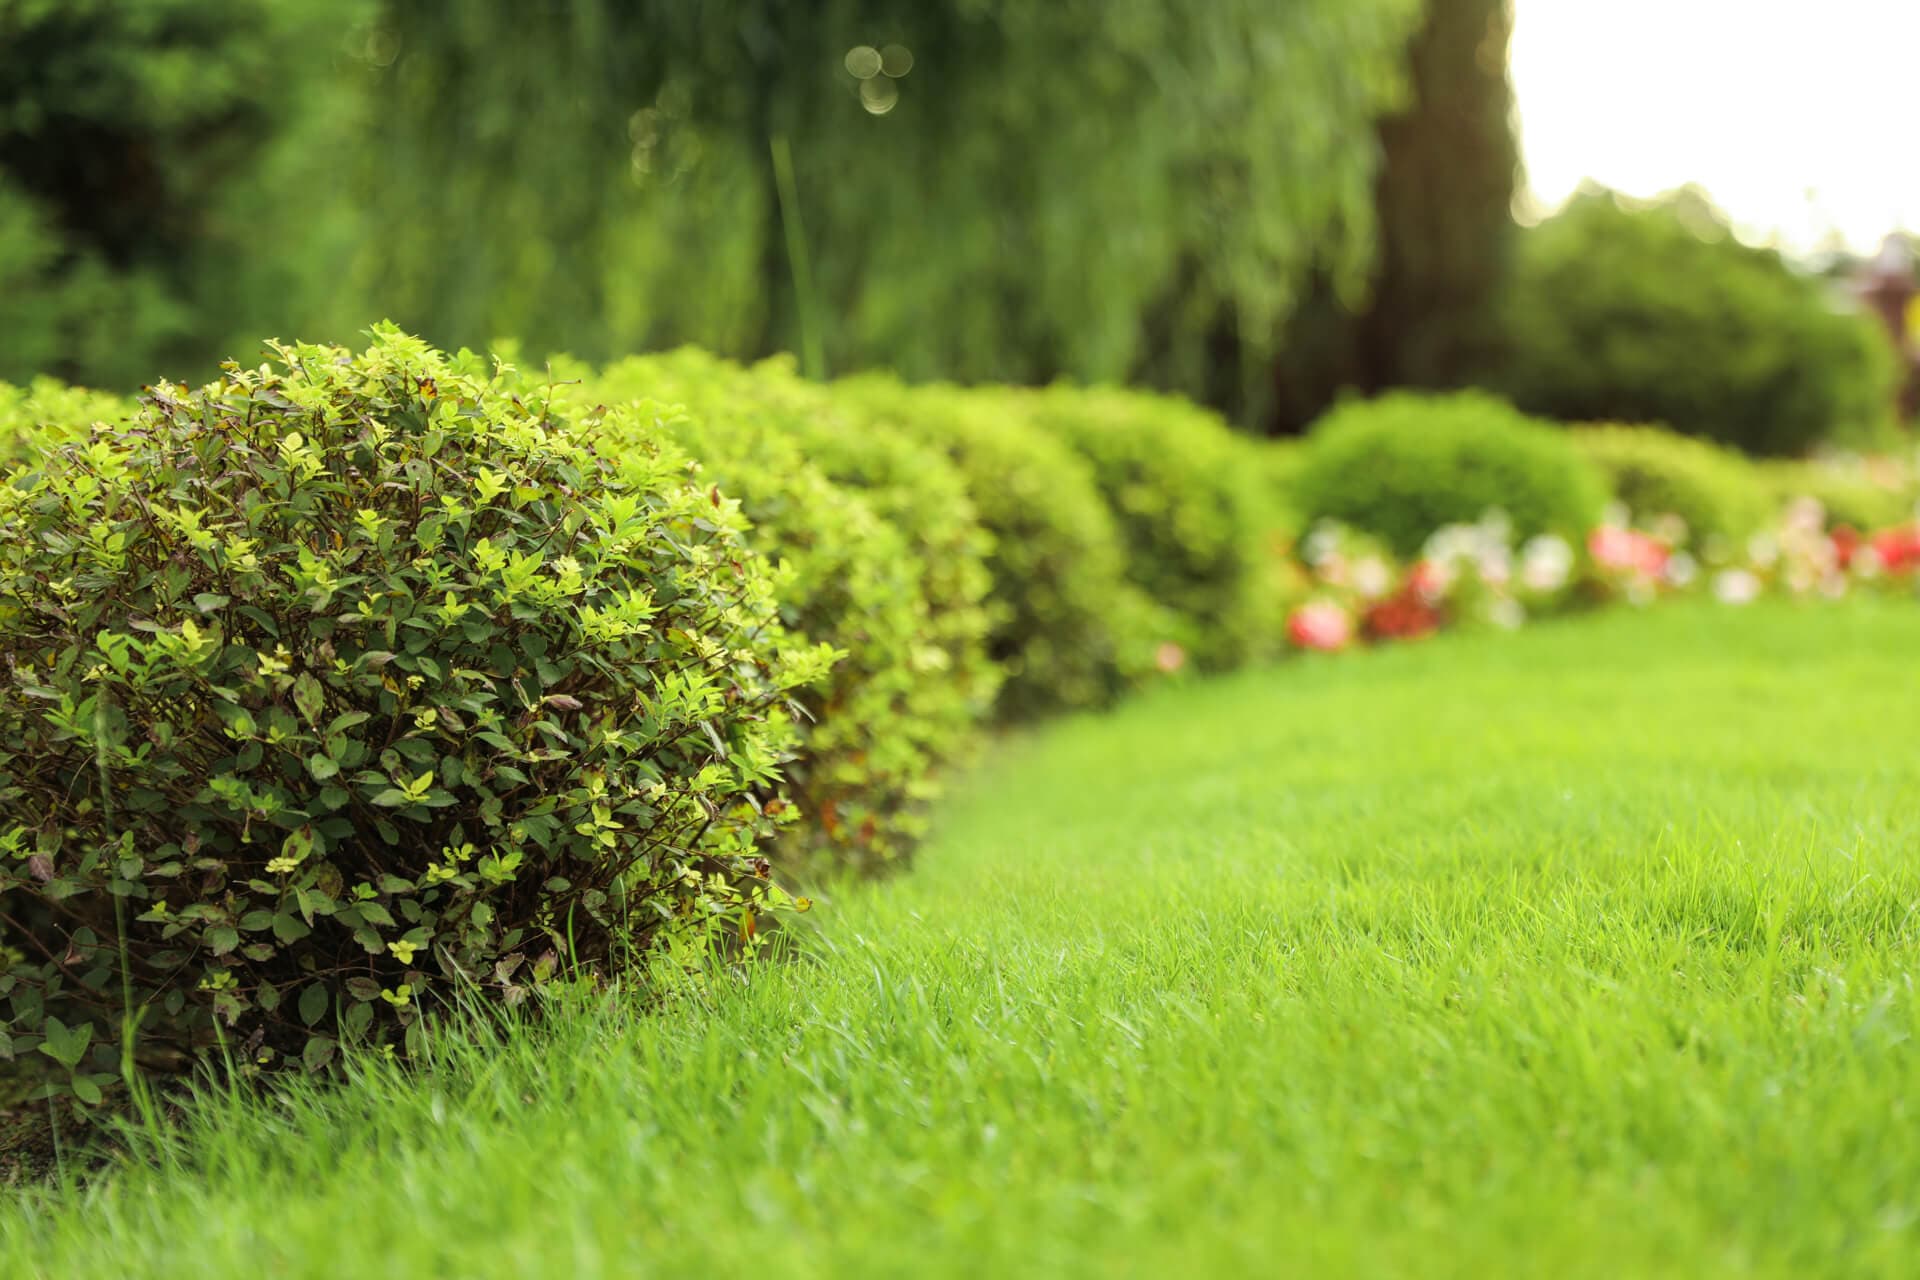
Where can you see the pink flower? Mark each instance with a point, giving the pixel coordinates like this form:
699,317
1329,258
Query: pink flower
1321,625
1428,581
1626,551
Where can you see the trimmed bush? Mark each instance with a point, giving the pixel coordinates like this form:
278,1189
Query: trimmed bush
1405,464
1719,493
1848,493
1657,314
345,683
893,711
1068,628
1186,494
48,412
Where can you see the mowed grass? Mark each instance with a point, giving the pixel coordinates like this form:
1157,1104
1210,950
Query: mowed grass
1584,951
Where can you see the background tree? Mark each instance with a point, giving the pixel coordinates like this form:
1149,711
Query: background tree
1443,211
127,130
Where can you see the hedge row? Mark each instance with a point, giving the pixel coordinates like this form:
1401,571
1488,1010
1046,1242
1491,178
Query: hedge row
347,683
1405,464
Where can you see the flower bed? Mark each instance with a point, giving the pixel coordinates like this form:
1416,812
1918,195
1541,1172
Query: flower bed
1351,590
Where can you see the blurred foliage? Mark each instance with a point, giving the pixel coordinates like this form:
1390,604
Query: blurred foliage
1408,463
1720,494
980,188
983,188
1851,491
1655,313
1068,627
1443,205
1188,498
135,142
47,413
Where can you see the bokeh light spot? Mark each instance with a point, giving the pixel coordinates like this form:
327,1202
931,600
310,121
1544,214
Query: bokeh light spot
896,60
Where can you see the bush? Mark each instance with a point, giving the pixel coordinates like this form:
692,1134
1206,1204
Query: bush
1720,494
905,699
1068,628
1659,315
47,413
352,681
1849,493
1186,494
1405,464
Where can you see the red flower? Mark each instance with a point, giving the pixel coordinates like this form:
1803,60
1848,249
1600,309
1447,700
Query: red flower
1846,543
1898,548
1320,625
1403,616
1426,581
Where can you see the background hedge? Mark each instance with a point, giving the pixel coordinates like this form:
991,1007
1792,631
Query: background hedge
1404,464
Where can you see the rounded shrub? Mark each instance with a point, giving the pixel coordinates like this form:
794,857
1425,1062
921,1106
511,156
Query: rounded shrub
47,412
348,682
1848,493
1658,314
892,713
1405,464
1186,493
1068,628
1720,494
920,492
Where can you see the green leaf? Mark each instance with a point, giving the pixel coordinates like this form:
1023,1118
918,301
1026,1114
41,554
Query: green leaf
357,1018
363,988
319,1052
207,602
310,696
65,1045
321,766
86,1090
222,939
313,1003
393,798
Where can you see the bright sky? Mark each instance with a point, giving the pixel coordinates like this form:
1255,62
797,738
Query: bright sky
1799,117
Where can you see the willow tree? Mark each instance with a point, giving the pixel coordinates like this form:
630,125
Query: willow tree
969,188
1443,201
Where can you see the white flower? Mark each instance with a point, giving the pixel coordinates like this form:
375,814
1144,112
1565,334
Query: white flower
1322,542
1545,563
1806,515
1371,577
1735,586
1681,569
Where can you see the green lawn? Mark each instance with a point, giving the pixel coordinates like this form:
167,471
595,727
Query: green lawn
1588,950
